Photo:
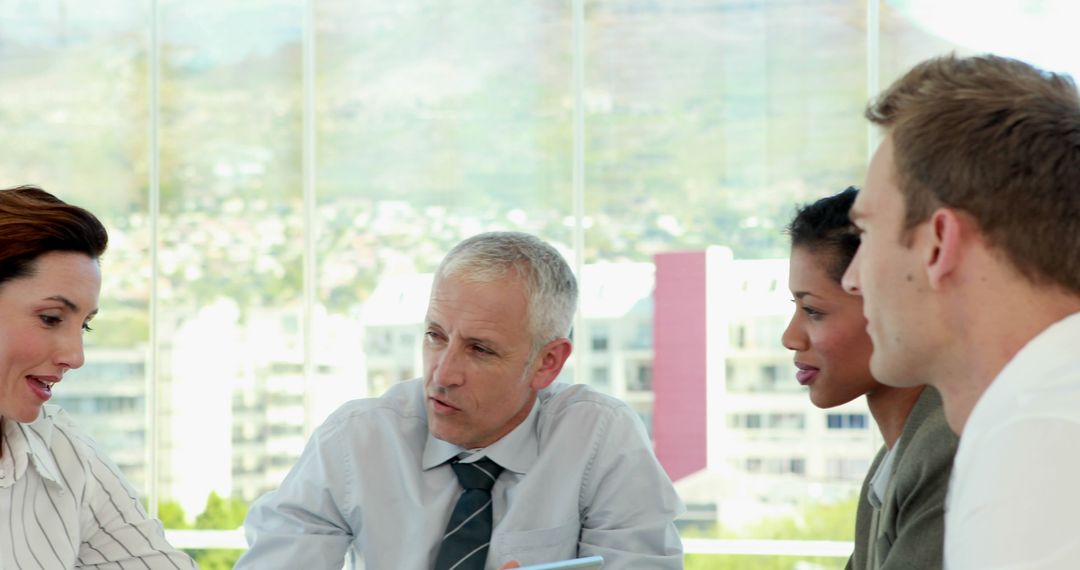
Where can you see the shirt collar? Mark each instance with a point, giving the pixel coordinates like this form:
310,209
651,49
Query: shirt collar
879,482
1030,373
30,441
515,451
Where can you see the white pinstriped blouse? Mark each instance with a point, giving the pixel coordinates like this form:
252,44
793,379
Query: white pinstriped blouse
64,505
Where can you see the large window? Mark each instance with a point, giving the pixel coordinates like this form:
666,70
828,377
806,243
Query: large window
281,177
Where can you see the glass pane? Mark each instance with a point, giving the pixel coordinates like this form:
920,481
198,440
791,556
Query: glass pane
436,121
707,122
231,251
1040,33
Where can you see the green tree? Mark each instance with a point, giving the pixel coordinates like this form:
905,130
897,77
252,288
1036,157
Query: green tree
219,514
172,515
824,521
218,559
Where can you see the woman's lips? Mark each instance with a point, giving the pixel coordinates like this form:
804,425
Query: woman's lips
41,388
806,373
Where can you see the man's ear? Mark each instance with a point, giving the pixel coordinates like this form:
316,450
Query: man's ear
947,237
550,361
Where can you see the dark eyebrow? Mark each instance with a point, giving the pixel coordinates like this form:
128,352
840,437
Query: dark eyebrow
70,306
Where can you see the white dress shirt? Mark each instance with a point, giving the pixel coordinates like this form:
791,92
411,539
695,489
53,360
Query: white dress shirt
63,504
580,479
879,481
1014,499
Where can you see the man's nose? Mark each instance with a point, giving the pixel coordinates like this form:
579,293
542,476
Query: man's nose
448,368
850,280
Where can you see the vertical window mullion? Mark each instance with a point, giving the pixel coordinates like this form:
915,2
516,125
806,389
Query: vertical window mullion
578,180
308,166
154,174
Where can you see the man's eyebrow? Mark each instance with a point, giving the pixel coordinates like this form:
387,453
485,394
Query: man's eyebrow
432,322
800,294
483,340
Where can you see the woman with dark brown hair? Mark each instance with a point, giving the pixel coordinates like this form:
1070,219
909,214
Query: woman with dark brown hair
62,502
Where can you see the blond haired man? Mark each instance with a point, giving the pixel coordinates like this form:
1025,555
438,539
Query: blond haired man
969,267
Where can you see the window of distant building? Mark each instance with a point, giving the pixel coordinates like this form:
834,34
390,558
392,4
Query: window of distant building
797,466
599,339
845,468
790,421
639,378
775,465
770,421
770,373
643,336
846,421
600,378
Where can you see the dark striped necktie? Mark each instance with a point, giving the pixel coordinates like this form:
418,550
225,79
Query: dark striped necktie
465,543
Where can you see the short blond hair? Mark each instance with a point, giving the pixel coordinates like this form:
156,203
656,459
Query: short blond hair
998,139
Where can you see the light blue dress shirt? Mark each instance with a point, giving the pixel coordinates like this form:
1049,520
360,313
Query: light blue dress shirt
580,479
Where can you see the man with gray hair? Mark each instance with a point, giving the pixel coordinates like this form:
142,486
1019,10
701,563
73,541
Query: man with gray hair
485,460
